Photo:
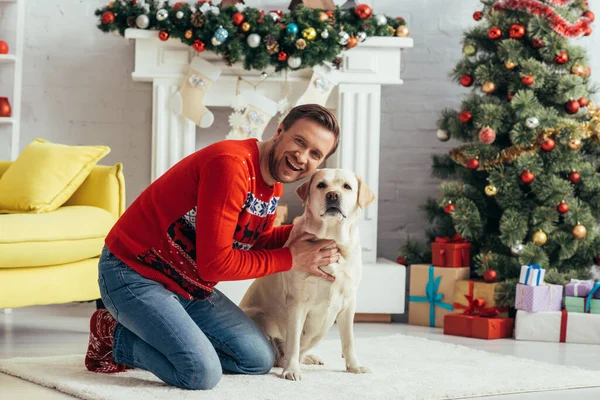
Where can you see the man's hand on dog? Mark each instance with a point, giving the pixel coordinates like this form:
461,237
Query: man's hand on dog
309,255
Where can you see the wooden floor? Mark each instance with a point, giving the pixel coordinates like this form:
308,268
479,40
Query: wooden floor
63,329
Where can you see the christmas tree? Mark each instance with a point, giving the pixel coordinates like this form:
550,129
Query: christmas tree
524,186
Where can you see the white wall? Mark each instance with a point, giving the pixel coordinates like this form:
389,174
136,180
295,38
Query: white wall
78,90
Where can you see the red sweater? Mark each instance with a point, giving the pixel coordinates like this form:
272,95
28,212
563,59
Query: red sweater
207,219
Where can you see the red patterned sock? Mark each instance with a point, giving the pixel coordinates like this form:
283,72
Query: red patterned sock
100,349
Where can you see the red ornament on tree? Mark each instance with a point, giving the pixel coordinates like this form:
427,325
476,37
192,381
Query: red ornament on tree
509,96
401,260
527,177
537,43
572,107
108,17
472,163
562,58
282,56
583,102
237,18
3,47
563,208
548,144
449,208
487,135
490,276
465,117
589,15
517,31
199,45
5,109
574,177
466,80
163,35
477,15
178,4
527,80
494,33
363,11
588,31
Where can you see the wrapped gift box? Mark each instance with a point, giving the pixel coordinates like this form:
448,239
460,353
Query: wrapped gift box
579,305
539,298
472,296
452,252
532,275
431,293
558,326
577,288
478,327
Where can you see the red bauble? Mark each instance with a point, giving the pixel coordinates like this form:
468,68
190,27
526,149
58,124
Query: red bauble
178,4
108,17
466,80
517,31
163,35
527,80
509,96
574,177
588,31
5,109
562,58
237,18
583,102
537,43
490,276
199,45
465,117
494,33
487,135
282,56
572,107
449,208
363,11
548,145
589,15
472,163
527,177
563,208
477,15
401,260
3,47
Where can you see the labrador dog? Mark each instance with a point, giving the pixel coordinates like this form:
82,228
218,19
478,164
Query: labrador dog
296,309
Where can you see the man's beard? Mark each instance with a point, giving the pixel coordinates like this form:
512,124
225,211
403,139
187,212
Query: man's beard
273,164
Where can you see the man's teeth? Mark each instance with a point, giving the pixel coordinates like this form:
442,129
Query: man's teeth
293,164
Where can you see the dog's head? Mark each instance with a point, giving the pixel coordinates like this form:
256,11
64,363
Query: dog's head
334,194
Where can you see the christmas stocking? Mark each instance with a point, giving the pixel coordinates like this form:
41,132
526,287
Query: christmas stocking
323,80
255,118
189,100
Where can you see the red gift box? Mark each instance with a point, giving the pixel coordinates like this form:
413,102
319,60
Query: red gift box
454,252
479,327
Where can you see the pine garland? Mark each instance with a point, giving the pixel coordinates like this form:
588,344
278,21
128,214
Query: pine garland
278,47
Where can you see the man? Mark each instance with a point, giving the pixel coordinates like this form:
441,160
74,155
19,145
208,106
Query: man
208,219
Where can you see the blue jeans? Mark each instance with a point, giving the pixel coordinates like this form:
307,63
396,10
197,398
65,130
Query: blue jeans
186,343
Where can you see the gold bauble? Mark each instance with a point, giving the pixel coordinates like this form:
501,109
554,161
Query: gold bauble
488,87
323,17
111,4
540,238
402,31
391,31
188,34
491,190
510,65
300,44
246,26
578,70
309,33
575,144
579,231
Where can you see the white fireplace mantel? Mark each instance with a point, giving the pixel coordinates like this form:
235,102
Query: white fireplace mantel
375,62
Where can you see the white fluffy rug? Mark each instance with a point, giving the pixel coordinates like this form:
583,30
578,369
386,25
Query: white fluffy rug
404,367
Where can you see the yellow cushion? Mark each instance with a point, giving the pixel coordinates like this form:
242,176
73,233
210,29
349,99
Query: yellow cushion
71,233
45,175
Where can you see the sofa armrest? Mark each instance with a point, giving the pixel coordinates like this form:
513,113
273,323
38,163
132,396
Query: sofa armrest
104,188
4,166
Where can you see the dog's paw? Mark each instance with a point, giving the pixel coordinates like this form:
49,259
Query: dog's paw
292,375
359,370
311,359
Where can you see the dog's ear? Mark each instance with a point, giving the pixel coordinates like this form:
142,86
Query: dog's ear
303,190
365,194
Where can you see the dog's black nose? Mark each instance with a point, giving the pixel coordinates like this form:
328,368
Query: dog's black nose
333,196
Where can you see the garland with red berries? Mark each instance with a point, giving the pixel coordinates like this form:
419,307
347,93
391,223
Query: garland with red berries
301,38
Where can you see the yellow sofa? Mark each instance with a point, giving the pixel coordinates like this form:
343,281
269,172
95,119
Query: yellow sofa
52,257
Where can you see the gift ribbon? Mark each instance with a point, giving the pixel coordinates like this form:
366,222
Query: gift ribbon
534,267
589,297
432,297
456,239
563,326
576,283
476,306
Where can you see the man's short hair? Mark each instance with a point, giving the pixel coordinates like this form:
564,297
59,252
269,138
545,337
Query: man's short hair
318,114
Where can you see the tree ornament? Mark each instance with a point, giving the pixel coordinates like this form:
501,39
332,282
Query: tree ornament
162,14
108,17
292,29
517,249
324,17
491,190
309,33
509,96
583,102
490,276
572,107
589,15
548,145
197,19
469,50
487,135
510,65
466,80
253,40
220,36
579,231
237,18
477,15
179,14
588,31
401,260
465,117
527,177
163,35
188,34
352,42
362,36
488,87
494,33
578,70
563,207
294,62
363,11
539,238
575,144
343,38
246,26
300,44
517,31
325,33
380,20
537,43
199,46
574,177
142,21
562,57
527,80
402,31
472,163
282,56
442,135
449,208
532,122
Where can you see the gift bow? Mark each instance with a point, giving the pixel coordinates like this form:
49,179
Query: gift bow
476,306
454,239
536,267
576,283
590,295
432,297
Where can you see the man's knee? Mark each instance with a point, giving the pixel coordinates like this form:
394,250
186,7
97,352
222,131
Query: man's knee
200,373
261,358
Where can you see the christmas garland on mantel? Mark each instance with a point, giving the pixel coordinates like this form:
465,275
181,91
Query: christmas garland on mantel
304,37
